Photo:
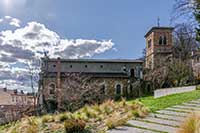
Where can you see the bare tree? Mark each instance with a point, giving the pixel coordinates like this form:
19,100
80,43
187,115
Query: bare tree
185,9
77,89
33,68
179,72
184,42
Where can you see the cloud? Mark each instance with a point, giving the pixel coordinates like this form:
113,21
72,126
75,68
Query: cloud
11,21
21,50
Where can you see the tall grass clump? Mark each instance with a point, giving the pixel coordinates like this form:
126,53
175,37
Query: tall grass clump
74,126
191,124
27,125
47,119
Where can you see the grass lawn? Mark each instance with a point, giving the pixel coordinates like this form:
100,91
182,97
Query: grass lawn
168,101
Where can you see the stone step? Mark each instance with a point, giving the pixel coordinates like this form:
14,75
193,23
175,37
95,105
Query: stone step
192,105
126,129
187,107
195,101
160,121
166,120
180,110
167,112
168,117
153,126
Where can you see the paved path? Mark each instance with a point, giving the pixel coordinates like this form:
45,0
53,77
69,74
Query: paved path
165,121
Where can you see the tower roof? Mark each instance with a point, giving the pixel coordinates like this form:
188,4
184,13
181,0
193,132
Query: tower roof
158,28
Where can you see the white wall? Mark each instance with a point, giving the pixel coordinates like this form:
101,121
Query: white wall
164,92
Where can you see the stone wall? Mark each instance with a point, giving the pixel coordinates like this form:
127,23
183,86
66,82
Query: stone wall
10,113
84,89
164,92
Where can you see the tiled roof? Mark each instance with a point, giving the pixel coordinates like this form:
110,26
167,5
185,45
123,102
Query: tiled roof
158,28
98,60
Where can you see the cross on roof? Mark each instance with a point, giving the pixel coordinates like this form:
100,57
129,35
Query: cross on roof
158,21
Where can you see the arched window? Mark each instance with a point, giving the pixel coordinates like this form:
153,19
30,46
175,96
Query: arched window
118,89
164,40
160,40
103,89
52,88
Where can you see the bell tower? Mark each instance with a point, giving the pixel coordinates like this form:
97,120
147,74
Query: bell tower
158,46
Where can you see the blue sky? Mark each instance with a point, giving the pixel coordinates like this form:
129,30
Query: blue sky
109,29
123,21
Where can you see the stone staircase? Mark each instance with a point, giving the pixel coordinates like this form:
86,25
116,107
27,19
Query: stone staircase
162,121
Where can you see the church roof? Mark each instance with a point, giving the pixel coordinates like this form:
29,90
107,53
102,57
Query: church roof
98,60
158,28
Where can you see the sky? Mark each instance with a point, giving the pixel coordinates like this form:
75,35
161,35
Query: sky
106,29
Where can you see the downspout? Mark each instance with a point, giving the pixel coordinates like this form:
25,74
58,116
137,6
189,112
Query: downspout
58,88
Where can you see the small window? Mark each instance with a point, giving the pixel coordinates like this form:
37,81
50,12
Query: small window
160,40
165,40
118,89
149,43
52,89
13,99
132,73
103,88
86,66
70,66
101,66
54,65
131,89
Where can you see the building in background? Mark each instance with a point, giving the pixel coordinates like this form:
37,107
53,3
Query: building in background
13,97
196,63
13,104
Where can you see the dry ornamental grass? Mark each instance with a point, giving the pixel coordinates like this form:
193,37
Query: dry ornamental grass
93,118
191,124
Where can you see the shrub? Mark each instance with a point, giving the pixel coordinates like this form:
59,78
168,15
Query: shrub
198,87
74,125
47,118
191,124
64,116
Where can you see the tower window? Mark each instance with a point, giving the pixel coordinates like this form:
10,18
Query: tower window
164,40
160,40
118,89
149,43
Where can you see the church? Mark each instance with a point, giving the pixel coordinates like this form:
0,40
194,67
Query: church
61,80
